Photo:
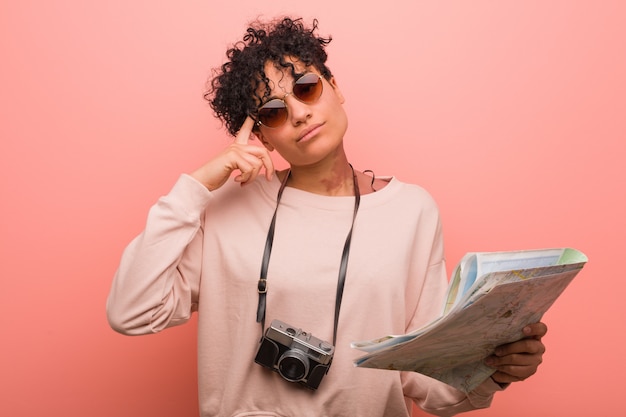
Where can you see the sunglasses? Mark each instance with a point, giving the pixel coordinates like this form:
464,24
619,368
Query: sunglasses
306,89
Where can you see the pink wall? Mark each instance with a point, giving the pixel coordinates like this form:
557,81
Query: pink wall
513,114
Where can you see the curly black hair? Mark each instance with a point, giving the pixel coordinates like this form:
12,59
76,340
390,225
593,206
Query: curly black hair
234,89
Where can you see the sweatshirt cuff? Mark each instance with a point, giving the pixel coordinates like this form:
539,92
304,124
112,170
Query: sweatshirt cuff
482,396
488,388
190,195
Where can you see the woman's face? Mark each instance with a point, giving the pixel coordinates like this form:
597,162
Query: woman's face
312,131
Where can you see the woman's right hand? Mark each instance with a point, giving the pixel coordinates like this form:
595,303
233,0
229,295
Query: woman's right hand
248,159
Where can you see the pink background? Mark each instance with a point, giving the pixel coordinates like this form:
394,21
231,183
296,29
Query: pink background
512,114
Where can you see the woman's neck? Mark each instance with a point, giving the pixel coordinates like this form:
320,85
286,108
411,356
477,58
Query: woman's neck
333,179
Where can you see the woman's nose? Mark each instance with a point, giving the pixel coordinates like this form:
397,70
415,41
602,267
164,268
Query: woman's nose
299,112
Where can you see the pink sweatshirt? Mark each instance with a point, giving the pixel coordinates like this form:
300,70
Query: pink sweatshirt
201,251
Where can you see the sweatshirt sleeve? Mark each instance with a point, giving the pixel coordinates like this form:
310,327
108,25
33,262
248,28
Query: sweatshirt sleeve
440,399
431,395
434,396
157,282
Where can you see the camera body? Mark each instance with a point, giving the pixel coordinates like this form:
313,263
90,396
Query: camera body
296,355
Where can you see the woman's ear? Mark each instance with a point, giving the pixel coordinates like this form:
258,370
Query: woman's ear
333,84
264,141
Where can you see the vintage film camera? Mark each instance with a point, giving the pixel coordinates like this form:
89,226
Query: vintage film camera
296,355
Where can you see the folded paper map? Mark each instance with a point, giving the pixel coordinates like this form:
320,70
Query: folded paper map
491,297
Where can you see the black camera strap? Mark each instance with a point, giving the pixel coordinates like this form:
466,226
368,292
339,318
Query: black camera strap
343,266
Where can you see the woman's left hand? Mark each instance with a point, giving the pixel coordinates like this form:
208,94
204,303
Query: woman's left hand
518,360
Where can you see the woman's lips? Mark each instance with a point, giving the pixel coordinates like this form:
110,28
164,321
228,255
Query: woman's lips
309,132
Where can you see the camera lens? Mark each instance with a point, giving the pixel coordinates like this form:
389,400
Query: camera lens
293,365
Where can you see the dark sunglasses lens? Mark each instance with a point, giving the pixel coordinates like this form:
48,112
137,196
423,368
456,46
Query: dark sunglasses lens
273,113
308,88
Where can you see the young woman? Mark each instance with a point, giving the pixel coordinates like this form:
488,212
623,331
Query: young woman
286,268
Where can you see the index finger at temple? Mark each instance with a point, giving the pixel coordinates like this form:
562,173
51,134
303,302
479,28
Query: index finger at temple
244,133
